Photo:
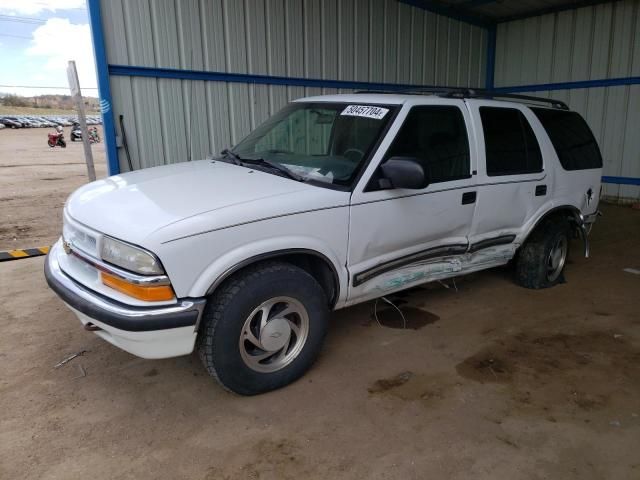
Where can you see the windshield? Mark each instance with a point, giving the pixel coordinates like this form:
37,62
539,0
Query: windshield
325,142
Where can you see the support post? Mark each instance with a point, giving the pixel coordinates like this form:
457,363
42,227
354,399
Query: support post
102,70
76,93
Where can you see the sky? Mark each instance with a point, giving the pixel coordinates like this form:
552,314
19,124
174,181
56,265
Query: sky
37,40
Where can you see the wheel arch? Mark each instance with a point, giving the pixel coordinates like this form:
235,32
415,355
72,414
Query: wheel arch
570,211
313,262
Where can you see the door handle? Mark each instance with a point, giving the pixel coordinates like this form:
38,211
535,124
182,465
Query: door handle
541,190
468,198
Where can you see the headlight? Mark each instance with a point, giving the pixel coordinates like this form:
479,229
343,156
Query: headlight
129,257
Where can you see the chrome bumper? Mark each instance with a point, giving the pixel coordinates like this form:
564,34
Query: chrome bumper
185,313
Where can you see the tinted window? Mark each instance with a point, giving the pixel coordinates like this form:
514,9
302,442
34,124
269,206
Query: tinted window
437,137
570,135
510,144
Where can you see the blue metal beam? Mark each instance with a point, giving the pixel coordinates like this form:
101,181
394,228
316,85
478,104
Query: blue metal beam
130,71
553,9
475,3
104,89
621,180
544,87
449,11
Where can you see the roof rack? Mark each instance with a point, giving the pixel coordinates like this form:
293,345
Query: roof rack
462,92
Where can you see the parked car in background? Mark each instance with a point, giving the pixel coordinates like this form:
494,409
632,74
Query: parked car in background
35,122
38,121
333,201
47,122
11,123
2,126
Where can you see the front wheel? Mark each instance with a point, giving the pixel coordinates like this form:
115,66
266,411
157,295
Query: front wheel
264,328
51,143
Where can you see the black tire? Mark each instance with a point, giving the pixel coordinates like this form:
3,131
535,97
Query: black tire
62,143
533,261
230,307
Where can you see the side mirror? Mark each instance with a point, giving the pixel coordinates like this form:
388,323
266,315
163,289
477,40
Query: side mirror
403,172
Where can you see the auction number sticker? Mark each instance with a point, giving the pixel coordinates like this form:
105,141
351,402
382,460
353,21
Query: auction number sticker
366,111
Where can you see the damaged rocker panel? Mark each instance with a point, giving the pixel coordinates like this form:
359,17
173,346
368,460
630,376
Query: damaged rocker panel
430,254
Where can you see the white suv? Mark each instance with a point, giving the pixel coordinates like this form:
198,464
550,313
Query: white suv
333,201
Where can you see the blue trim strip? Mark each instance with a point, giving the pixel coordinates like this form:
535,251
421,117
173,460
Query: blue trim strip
448,11
124,70
104,89
605,82
621,180
491,57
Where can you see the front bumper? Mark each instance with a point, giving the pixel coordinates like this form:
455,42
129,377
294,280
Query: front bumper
149,332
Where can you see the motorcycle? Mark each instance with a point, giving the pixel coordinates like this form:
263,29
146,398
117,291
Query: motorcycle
56,139
76,134
93,135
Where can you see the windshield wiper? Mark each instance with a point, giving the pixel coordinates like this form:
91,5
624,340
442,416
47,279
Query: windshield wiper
235,159
238,160
273,165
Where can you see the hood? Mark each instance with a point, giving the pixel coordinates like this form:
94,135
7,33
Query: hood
183,199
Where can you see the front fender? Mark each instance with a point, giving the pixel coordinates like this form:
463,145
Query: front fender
195,263
250,253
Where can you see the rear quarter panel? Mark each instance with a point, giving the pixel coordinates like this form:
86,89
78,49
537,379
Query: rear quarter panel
566,187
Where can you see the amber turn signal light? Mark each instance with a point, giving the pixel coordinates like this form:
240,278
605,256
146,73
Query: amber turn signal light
155,293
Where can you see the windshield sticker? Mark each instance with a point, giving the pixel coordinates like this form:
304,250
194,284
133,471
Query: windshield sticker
366,111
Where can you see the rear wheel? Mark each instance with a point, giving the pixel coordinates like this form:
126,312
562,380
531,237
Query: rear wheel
263,328
541,261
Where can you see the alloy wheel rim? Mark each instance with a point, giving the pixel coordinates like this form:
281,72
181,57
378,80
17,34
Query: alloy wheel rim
274,334
556,259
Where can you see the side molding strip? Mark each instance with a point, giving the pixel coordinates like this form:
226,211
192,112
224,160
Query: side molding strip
435,252
491,242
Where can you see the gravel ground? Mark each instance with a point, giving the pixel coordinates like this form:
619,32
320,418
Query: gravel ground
491,381
35,181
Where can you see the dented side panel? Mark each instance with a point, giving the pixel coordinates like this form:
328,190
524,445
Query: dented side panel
432,270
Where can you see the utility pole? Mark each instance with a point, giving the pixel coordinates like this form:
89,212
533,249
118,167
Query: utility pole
74,85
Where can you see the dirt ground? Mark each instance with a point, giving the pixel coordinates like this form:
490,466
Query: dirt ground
491,381
35,181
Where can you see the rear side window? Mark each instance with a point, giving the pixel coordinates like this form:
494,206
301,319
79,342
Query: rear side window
511,146
570,135
437,137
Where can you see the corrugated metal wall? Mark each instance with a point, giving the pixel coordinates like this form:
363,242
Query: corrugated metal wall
171,120
589,43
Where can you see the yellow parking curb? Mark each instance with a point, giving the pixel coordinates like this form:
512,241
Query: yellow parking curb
26,253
